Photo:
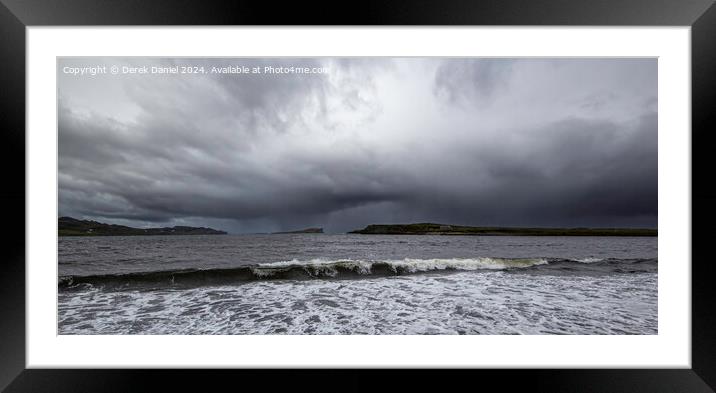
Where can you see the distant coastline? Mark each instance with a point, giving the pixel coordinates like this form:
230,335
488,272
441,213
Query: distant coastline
442,229
68,226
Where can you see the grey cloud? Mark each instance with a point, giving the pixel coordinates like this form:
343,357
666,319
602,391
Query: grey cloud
262,154
568,171
460,81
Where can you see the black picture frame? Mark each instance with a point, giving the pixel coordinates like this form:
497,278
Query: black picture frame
16,15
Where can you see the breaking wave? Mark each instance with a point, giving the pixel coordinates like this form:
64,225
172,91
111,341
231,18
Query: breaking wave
351,269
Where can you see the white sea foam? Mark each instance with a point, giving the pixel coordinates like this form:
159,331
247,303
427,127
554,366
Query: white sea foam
492,302
411,265
421,265
588,260
316,267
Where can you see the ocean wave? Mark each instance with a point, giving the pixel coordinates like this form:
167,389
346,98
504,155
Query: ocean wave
588,260
407,265
349,269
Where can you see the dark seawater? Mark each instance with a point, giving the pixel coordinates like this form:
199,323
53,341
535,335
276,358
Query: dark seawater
357,284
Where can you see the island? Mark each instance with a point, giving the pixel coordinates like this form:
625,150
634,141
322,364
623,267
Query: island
442,229
68,226
307,230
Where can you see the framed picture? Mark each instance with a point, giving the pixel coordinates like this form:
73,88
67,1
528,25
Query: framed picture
475,186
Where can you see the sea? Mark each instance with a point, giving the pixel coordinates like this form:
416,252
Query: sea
323,284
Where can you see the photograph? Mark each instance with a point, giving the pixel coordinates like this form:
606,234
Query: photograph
357,196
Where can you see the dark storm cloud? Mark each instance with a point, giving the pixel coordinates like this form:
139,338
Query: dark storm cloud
471,141
569,172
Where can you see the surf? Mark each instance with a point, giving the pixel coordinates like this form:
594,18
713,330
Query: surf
347,269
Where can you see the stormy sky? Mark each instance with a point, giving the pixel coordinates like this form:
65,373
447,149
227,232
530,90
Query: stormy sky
506,142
